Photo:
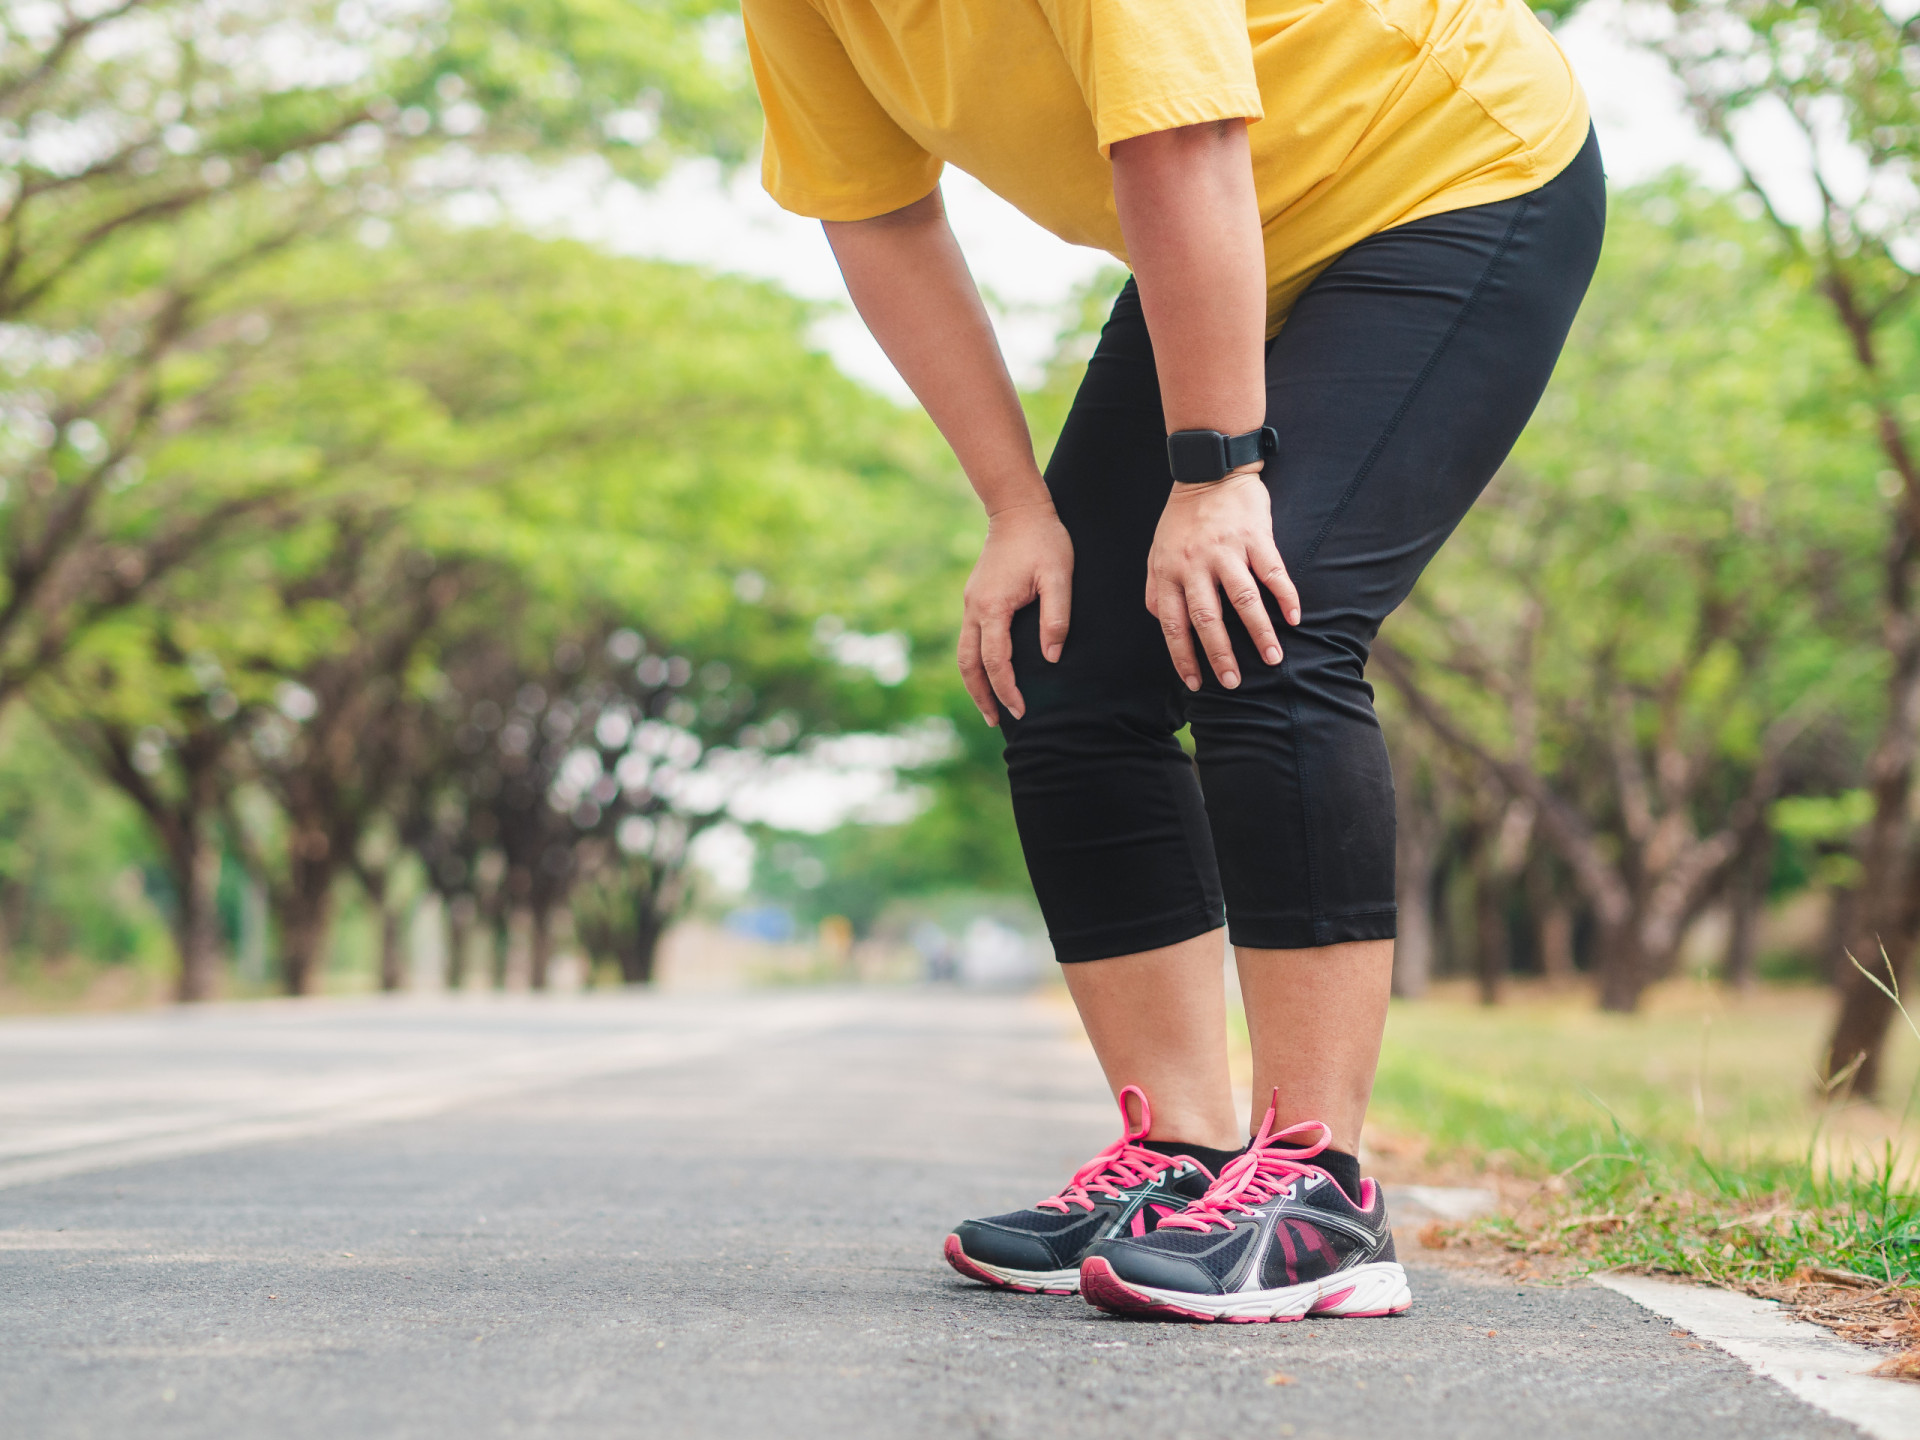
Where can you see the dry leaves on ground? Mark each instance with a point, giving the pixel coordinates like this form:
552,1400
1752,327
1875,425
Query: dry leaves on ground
1855,1307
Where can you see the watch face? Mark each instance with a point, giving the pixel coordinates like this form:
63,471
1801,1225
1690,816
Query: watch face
1197,456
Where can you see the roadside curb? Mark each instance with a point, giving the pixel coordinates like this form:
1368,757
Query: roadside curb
1817,1367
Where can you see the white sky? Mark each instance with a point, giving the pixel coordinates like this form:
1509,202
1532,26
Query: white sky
729,224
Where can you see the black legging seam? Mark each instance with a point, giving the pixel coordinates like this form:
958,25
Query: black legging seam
1420,381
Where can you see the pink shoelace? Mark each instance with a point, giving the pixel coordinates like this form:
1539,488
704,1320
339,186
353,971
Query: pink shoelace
1257,1176
1123,1164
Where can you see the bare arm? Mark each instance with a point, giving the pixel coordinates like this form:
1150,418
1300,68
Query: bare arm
1192,224
1188,211
912,287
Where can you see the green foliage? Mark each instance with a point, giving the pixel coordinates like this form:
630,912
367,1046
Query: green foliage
75,863
165,150
963,839
526,440
1690,503
1086,311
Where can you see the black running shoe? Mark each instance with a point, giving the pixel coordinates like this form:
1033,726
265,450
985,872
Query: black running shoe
1124,1190
1274,1238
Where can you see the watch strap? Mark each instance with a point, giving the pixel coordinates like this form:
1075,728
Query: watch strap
1254,445
1201,457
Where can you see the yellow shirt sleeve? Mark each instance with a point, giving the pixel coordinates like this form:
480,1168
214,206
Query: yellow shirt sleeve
1147,65
831,152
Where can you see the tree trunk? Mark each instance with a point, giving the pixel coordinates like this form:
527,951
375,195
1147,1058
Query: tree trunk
460,915
540,945
379,889
393,974
1843,915
1490,936
637,959
1882,941
1556,944
1553,924
1860,1032
306,915
517,974
1746,897
1623,968
196,925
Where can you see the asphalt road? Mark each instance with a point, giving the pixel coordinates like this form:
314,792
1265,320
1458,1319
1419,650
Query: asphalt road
664,1217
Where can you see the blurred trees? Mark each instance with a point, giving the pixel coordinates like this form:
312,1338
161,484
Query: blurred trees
1842,79
155,153
284,456
361,549
509,450
1658,599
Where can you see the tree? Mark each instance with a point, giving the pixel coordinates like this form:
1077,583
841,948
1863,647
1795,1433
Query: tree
501,438
162,150
1842,74
158,716
1657,599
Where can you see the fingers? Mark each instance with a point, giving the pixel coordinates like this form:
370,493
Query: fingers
1243,593
974,675
996,658
1205,614
1056,602
1170,606
1272,570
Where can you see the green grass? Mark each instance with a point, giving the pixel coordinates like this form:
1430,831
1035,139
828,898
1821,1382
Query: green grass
1692,1137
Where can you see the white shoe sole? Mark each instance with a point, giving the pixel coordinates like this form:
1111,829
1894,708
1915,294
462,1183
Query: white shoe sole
1376,1289
1033,1282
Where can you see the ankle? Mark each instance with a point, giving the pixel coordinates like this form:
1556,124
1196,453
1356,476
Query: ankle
1214,1157
1210,1137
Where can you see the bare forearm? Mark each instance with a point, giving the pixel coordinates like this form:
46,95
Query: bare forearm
1191,220
911,285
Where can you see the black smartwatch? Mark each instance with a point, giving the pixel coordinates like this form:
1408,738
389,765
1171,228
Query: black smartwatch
1200,457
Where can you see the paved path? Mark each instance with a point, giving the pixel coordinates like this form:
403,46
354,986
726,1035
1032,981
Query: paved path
658,1217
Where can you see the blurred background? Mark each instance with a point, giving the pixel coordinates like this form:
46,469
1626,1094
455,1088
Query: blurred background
455,536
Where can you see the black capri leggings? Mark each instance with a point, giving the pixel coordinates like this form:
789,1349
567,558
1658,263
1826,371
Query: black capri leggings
1403,376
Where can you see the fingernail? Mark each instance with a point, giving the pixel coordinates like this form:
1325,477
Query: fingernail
1273,654
1229,679
1293,617
1193,681
1053,653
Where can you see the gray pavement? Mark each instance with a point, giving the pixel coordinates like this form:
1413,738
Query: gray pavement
666,1217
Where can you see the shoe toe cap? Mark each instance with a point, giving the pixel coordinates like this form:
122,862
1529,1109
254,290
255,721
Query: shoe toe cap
1143,1265
1009,1249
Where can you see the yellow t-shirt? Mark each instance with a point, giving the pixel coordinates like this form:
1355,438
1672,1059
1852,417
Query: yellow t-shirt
1369,113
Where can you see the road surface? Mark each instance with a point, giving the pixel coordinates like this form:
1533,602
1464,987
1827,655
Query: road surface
663,1216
